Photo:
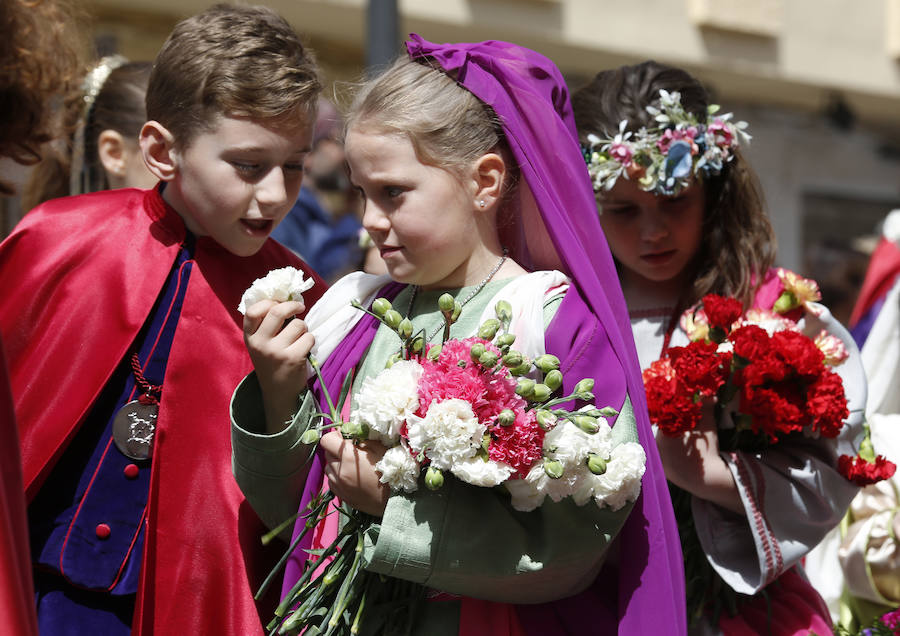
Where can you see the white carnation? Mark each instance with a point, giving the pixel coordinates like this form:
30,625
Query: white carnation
525,494
388,399
398,469
282,284
448,434
621,483
571,445
478,472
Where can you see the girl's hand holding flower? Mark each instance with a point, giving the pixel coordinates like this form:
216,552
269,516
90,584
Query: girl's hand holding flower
350,468
278,344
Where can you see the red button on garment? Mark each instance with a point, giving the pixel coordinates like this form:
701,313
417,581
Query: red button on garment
103,531
131,471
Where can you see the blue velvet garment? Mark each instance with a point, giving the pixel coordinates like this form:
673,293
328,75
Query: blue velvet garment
85,579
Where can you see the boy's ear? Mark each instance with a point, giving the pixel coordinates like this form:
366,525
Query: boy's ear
111,150
158,150
490,175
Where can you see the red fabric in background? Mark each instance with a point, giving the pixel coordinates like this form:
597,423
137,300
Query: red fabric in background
884,266
81,276
16,590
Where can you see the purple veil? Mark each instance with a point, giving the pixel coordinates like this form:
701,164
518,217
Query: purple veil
557,228
529,95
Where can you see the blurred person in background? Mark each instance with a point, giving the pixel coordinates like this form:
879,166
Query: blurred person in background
102,153
40,60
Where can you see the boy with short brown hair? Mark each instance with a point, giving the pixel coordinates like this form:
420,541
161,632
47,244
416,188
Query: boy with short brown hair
124,341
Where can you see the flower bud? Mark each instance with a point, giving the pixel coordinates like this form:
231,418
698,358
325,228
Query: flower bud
596,464
354,430
434,353
434,478
506,340
540,393
418,344
506,417
554,379
503,310
785,303
476,351
457,310
525,387
404,329
392,318
488,359
489,329
547,362
513,359
310,436
396,357
607,411
584,386
553,468
446,303
522,369
587,424
546,419
381,306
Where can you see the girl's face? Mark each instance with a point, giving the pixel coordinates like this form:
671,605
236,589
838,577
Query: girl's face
654,238
421,218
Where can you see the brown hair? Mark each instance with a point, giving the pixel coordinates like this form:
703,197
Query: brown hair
232,60
118,106
739,244
41,56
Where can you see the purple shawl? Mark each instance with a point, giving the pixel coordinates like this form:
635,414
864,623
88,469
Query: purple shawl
591,333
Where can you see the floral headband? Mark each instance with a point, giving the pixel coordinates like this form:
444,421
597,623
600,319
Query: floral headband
663,159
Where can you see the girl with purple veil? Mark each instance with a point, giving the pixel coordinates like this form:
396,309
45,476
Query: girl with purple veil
516,220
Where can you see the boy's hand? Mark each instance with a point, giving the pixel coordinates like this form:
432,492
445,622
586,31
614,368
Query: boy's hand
278,344
350,469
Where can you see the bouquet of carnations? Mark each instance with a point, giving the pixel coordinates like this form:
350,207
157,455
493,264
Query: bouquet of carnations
473,408
768,381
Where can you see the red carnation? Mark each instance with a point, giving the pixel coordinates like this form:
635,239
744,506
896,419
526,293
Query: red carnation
799,352
722,312
669,403
827,404
750,342
863,473
699,368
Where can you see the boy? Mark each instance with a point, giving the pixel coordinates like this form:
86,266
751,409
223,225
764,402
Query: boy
124,342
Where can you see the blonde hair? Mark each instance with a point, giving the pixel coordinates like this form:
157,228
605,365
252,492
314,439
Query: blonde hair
447,125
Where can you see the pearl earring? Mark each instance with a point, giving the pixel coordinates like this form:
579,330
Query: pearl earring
481,203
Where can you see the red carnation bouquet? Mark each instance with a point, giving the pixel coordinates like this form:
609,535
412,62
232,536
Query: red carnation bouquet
768,381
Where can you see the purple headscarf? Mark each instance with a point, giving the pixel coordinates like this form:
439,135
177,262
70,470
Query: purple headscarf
558,228
530,97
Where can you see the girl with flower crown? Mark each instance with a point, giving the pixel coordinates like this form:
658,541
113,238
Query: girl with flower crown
684,217
474,185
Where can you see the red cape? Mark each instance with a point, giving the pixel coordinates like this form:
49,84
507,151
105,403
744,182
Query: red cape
16,591
81,276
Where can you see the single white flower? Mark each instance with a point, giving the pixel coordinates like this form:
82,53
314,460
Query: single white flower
282,284
478,472
387,400
571,445
621,483
398,469
448,434
525,494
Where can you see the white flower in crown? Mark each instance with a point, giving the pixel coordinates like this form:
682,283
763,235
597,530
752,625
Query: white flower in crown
387,400
448,434
768,320
482,472
281,285
399,469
